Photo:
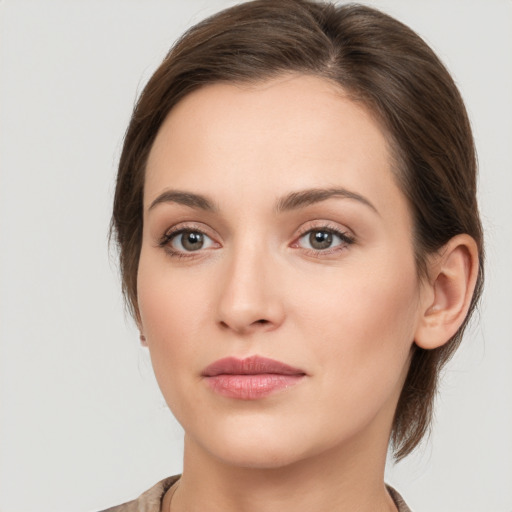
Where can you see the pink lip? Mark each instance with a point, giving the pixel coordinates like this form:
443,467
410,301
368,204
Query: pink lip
251,378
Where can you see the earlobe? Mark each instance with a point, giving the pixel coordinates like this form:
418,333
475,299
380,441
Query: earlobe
138,322
142,337
453,274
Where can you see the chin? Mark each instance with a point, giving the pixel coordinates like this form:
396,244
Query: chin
257,445
257,456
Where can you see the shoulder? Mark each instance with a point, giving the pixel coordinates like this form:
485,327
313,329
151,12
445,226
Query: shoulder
149,501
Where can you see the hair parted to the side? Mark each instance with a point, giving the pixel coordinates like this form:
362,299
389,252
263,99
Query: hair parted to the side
379,62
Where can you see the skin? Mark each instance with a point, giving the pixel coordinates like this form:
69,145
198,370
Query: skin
347,315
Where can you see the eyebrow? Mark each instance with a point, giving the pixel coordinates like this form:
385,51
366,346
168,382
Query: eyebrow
307,197
185,198
292,201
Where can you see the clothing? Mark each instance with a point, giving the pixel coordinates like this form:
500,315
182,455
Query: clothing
151,500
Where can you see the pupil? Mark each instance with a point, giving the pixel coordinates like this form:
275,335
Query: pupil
192,241
320,239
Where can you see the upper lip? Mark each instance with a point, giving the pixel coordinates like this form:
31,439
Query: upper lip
254,365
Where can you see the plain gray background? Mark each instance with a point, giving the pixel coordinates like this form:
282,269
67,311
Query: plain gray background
82,423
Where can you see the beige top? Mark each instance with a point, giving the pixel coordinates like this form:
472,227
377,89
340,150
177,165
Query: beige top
151,500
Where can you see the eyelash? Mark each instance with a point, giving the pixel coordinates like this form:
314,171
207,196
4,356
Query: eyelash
346,239
169,236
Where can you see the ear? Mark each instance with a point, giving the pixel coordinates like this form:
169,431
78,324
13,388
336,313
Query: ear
447,295
143,341
142,337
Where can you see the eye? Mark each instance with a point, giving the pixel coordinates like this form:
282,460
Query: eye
323,239
186,240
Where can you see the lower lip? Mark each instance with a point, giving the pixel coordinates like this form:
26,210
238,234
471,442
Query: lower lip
251,387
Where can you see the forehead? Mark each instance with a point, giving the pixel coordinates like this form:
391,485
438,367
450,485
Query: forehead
292,132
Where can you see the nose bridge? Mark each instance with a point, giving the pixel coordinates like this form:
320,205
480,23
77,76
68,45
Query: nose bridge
248,297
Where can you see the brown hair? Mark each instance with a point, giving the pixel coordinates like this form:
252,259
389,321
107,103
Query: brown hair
379,62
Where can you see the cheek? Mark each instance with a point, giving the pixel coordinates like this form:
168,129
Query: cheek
170,301
167,309
363,329
172,314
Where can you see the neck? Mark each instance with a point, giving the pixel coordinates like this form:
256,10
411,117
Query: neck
344,479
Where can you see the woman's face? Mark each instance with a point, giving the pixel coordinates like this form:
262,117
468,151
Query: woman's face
273,228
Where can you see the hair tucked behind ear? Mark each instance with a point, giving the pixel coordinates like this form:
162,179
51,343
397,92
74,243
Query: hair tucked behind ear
378,61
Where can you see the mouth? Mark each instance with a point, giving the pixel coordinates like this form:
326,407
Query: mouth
251,378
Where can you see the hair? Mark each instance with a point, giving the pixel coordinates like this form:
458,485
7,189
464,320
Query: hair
377,61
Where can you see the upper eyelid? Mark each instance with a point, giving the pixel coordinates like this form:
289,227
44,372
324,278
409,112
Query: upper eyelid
328,226
187,226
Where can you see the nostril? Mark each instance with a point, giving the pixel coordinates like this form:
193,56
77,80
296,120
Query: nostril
262,321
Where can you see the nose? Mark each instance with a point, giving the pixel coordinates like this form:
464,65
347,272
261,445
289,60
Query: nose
250,299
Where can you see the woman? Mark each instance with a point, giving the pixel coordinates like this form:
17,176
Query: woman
301,249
